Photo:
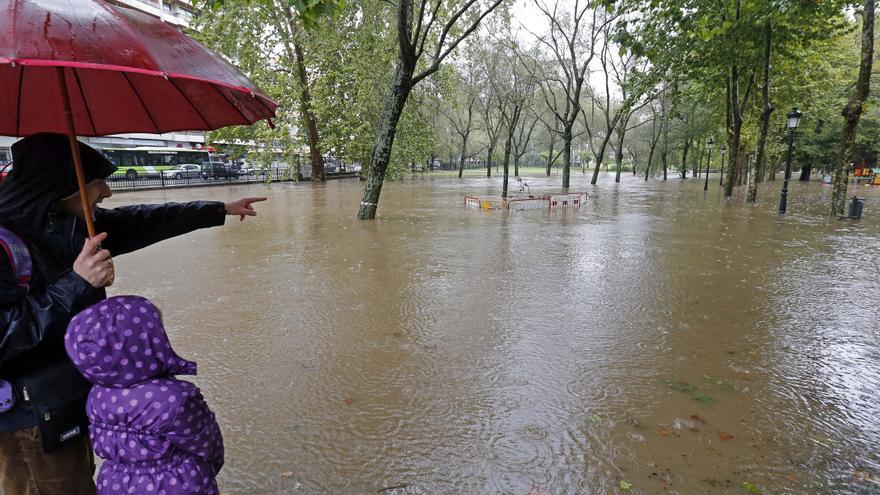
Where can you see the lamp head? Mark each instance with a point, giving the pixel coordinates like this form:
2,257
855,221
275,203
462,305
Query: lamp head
794,118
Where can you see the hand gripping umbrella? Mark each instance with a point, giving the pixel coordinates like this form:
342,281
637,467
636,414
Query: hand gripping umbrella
89,68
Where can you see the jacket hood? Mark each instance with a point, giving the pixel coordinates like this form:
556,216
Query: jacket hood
121,341
42,174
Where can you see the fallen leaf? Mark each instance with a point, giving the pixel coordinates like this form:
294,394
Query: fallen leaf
664,431
697,418
538,491
287,474
680,386
349,401
791,478
725,436
624,485
595,418
751,488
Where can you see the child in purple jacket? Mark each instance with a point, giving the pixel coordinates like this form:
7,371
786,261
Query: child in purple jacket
155,432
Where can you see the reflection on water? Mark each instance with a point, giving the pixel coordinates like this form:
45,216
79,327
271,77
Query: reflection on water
657,336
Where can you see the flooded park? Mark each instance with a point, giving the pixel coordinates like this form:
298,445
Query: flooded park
655,340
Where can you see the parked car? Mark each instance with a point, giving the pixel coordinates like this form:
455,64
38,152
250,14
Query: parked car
217,170
5,169
183,171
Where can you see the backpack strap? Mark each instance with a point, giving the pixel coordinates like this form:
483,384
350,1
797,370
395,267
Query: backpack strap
19,257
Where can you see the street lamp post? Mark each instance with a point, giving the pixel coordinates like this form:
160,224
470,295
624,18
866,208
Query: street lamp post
723,150
794,118
709,145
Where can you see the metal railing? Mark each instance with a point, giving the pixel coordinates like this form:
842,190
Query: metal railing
122,182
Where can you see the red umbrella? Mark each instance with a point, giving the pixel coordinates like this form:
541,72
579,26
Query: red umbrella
89,68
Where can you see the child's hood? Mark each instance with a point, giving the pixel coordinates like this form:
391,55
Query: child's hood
121,341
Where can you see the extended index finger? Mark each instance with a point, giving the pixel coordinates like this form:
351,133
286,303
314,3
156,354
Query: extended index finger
255,199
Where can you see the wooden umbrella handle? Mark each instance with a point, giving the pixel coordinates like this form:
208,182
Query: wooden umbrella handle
77,159
74,150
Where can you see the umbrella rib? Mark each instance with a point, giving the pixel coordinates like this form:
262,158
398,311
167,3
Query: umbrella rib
265,106
143,104
185,97
18,110
230,103
82,94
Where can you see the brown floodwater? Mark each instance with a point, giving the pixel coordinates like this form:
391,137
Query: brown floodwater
656,339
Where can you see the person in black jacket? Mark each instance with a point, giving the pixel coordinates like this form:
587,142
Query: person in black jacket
44,447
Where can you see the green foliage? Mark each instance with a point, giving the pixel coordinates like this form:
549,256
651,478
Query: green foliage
249,34
309,12
351,59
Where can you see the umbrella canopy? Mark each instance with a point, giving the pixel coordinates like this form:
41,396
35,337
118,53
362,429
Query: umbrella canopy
123,71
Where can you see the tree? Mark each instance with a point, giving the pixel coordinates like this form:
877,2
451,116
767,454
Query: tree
853,111
513,79
264,38
461,110
418,27
571,43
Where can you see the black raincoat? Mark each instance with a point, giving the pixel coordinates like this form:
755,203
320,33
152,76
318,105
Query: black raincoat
33,322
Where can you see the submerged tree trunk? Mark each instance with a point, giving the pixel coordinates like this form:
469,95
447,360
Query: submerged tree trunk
618,156
684,155
566,156
599,157
506,163
461,156
489,152
394,104
308,116
733,175
698,163
550,156
805,173
753,181
852,112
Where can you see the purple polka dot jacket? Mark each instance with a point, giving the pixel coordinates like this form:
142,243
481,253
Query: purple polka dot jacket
154,431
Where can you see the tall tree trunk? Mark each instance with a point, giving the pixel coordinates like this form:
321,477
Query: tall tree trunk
768,109
550,156
506,164
599,158
308,116
751,173
664,151
566,156
489,152
684,156
618,156
805,173
760,171
733,170
394,103
853,111
461,156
